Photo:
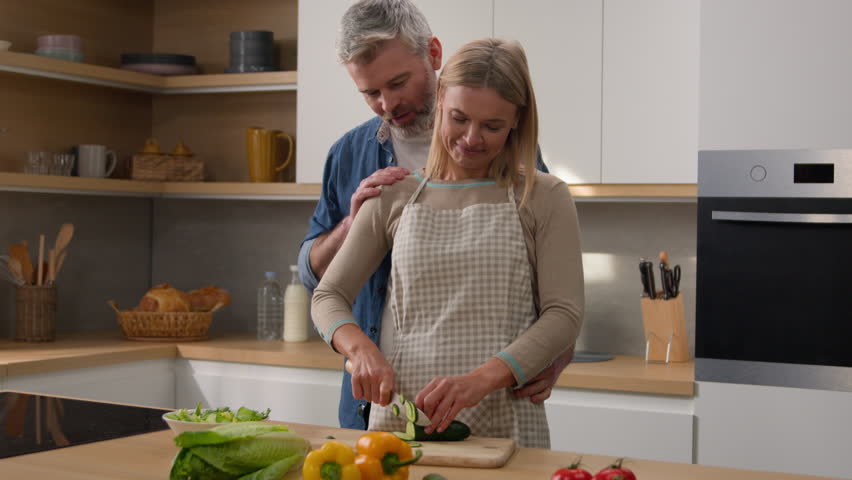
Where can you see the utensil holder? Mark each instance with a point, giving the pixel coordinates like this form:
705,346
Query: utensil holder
35,313
665,329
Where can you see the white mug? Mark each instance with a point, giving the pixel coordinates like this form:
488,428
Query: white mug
95,161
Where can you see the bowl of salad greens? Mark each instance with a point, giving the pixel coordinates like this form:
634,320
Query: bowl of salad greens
194,419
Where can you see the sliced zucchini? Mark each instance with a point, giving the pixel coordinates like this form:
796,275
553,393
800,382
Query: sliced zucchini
395,410
410,411
408,434
457,431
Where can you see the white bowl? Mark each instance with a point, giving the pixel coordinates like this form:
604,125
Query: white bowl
5,44
179,426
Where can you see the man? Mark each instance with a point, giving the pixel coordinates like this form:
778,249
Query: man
388,49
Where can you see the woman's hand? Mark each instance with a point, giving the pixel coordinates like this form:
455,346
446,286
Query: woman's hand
444,397
372,375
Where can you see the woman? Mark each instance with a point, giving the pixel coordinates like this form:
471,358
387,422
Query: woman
487,282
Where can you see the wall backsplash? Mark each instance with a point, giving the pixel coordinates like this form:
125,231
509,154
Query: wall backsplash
614,237
109,257
125,245
228,244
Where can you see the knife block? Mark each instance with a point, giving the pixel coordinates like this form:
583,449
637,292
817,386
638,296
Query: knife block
665,329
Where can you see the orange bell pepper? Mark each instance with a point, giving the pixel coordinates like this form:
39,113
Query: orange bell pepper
384,456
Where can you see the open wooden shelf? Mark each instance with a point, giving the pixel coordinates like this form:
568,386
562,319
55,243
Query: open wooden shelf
287,191
29,64
106,186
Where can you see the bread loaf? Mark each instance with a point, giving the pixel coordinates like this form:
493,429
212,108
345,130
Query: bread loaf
204,299
164,298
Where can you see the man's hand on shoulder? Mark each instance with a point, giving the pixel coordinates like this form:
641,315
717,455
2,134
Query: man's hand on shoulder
369,187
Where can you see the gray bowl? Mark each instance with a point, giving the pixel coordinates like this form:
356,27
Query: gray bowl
250,68
252,35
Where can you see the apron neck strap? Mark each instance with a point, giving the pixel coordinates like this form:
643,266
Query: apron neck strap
419,189
511,190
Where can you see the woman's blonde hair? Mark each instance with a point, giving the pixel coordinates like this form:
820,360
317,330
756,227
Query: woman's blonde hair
502,66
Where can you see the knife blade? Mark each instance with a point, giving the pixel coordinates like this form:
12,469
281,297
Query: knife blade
421,418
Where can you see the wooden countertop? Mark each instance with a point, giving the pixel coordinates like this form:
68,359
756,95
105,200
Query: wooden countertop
147,456
624,373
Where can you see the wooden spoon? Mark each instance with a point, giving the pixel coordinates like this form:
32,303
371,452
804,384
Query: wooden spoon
15,268
66,232
22,254
60,259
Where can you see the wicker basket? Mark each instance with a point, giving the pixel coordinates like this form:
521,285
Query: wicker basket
164,327
167,168
35,313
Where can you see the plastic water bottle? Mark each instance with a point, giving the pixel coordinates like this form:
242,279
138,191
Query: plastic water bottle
270,309
296,306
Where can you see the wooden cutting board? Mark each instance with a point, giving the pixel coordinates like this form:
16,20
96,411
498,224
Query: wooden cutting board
475,452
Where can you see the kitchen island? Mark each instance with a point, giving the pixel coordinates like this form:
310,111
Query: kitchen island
148,456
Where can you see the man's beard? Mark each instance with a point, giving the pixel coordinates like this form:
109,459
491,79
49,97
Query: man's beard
424,117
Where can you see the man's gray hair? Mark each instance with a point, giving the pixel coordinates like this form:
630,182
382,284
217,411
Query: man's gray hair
367,24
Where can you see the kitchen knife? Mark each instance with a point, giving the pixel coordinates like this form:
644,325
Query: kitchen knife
665,274
647,269
396,399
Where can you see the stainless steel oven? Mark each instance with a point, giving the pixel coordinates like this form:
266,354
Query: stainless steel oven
774,272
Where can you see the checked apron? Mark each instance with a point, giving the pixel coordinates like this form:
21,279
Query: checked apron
461,293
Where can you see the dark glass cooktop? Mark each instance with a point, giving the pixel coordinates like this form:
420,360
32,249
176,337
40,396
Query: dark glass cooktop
34,423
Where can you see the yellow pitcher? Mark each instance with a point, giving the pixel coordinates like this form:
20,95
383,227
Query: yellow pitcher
263,153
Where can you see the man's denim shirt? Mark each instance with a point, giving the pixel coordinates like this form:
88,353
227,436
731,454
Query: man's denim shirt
354,157
351,159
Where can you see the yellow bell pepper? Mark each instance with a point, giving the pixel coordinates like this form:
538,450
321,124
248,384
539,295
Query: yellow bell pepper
384,456
333,461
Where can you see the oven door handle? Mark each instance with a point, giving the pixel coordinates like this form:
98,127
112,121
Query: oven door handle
723,215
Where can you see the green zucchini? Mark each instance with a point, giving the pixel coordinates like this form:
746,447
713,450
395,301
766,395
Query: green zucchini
410,411
409,433
455,432
395,410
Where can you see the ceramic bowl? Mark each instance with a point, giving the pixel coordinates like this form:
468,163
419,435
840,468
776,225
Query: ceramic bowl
61,54
72,42
179,426
5,45
263,35
158,58
160,68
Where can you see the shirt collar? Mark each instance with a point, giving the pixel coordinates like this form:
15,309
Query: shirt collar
384,133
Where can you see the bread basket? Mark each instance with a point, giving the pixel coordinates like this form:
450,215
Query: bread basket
164,326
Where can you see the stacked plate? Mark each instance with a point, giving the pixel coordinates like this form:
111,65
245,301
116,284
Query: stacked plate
159,63
63,47
252,51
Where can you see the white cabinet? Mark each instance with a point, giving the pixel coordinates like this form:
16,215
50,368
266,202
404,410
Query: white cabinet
616,83
650,91
776,74
775,429
328,104
149,383
301,395
562,39
653,427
